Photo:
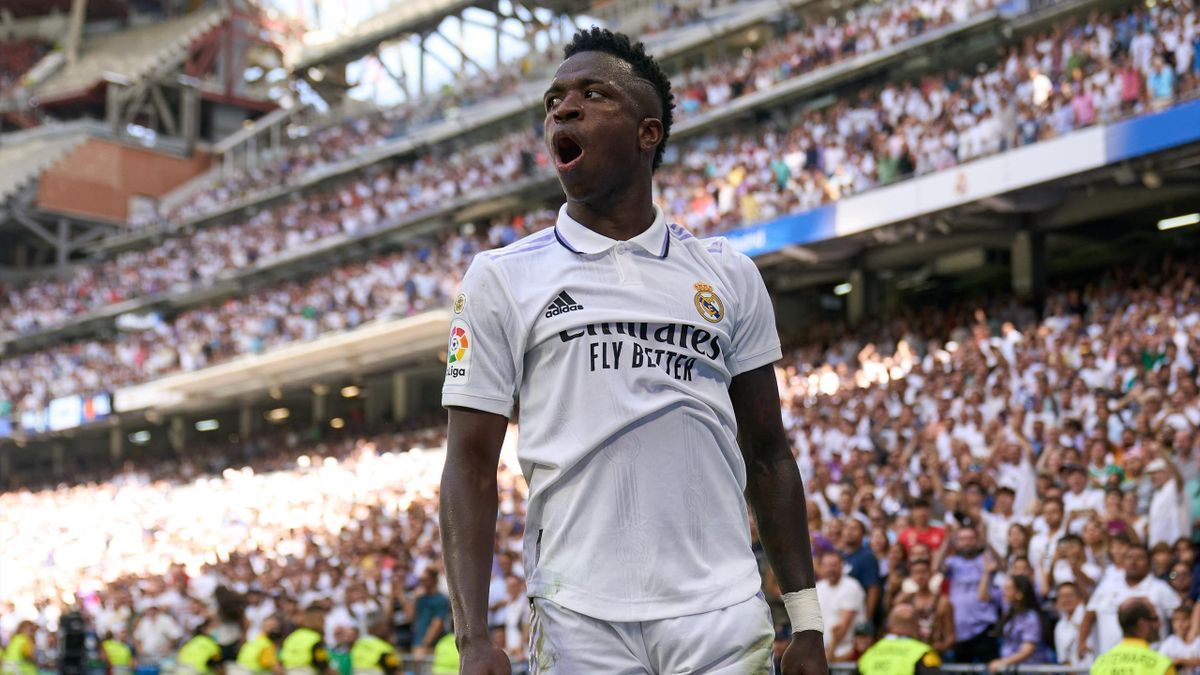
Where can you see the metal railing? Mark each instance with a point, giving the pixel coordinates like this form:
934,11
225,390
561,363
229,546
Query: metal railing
424,666
1042,668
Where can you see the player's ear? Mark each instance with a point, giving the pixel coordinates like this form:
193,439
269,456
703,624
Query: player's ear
650,133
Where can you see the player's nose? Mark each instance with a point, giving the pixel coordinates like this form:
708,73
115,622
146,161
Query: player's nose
570,108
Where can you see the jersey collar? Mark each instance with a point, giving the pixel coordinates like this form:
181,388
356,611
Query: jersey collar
577,238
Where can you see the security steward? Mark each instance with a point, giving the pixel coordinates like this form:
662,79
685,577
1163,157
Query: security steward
372,656
20,655
117,655
261,654
900,652
1133,655
200,655
303,651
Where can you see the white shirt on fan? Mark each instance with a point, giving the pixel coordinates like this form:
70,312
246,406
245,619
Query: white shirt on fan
836,599
621,353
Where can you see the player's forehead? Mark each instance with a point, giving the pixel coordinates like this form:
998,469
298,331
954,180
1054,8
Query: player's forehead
591,68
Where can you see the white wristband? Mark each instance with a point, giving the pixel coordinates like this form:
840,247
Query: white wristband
804,610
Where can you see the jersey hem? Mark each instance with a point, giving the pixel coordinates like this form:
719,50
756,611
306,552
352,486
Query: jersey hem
491,404
755,361
650,609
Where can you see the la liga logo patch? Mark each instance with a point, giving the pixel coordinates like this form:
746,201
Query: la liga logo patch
458,352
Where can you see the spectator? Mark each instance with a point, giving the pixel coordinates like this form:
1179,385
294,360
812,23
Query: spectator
1020,624
1160,83
1067,635
843,606
432,614
1182,646
974,618
1108,597
1169,509
921,531
864,566
931,609
156,636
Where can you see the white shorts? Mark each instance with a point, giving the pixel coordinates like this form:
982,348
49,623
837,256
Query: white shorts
736,640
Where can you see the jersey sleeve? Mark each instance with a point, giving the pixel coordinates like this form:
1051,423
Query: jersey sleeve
755,340
484,352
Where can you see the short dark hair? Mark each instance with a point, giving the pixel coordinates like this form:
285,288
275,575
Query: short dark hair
920,503
1137,546
1132,612
596,39
1068,584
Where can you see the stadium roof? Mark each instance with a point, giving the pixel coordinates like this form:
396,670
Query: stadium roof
408,16
131,54
96,9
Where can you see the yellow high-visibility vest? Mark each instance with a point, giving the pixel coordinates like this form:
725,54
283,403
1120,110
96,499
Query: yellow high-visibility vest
897,656
1132,656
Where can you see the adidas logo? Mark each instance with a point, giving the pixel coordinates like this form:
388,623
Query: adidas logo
562,304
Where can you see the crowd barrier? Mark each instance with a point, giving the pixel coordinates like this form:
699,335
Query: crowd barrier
413,666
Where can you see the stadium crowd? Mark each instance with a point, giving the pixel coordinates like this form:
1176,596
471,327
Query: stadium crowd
416,278
1011,478
1068,78
181,263
1071,77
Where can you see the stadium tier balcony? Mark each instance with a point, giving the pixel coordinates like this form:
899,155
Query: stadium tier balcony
130,54
771,171
809,49
351,520
871,30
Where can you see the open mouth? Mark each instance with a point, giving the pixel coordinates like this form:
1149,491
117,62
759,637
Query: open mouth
567,151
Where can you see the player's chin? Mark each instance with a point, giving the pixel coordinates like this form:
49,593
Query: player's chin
577,184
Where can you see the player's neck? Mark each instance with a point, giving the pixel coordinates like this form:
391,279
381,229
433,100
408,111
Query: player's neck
619,215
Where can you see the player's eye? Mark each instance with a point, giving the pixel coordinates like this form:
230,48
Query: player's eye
552,101
592,93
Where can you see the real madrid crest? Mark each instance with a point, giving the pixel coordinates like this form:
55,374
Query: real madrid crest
707,303
460,302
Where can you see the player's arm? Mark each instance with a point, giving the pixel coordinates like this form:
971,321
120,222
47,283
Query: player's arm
776,495
468,518
1085,631
482,379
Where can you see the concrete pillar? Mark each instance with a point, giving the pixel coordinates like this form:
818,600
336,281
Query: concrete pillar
58,455
189,115
116,445
62,246
400,386
1029,266
499,35
245,421
320,407
375,398
421,65
177,434
856,300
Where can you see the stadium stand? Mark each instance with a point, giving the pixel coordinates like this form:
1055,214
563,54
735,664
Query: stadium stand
854,403
728,180
23,157
130,55
990,371
16,58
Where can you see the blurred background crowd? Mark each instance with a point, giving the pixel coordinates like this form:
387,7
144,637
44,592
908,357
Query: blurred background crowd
1011,466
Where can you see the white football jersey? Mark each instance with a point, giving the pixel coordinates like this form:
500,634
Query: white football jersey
621,354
